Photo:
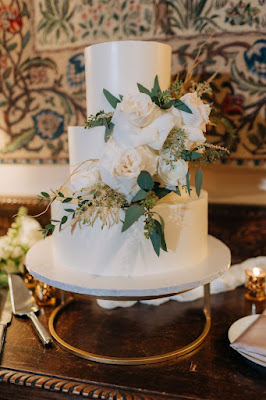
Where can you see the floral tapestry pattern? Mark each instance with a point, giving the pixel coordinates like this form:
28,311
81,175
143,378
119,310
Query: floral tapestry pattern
42,71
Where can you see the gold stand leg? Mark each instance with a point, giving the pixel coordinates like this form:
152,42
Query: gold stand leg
134,360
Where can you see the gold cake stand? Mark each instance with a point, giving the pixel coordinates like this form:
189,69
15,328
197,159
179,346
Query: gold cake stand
41,264
133,360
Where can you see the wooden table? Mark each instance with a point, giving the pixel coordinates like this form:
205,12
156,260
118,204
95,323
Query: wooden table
213,371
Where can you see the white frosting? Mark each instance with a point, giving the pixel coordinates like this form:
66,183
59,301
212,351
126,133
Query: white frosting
119,66
109,252
84,144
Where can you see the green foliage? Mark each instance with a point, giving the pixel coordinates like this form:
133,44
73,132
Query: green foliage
198,181
48,230
188,155
174,145
111,99
145,180
140,195
160,191
187,182
133,213
164,99
157,238
101,119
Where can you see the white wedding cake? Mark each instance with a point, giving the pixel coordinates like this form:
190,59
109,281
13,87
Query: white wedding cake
140,125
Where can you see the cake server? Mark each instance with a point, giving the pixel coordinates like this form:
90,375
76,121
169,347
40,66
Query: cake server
5,319
23,303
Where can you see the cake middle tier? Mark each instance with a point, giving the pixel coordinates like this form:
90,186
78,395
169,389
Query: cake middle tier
119,66
111,252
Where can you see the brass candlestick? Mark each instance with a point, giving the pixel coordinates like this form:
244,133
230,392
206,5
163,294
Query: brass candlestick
255,284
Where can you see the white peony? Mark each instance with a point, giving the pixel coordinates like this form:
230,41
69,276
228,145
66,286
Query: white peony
84,179
153,135
138,109
120,166
195,124
172,173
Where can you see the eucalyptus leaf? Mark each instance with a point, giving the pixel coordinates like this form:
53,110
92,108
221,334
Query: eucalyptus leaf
189,155
111,98
177,191
160,191
145,180
160,229
133,213
198,181
180,105
108,131
140,195
156,85
187,182
142,89
63,219
67,200
168,105
46,195
156,240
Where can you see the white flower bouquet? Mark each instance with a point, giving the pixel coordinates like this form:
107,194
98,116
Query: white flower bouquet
24,232
150,138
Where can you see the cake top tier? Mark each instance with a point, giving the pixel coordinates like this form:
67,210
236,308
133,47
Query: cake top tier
119,66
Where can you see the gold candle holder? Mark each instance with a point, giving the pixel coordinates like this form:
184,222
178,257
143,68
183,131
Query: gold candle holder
255,284
44,294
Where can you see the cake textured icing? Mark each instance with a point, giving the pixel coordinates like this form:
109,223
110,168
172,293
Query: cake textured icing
117,67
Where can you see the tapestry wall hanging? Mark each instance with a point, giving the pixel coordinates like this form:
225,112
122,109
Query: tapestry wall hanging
42,71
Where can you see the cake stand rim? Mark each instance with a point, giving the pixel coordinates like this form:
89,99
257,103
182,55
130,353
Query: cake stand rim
125,293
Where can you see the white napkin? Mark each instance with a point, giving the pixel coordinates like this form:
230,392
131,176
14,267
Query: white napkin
253,340
231,279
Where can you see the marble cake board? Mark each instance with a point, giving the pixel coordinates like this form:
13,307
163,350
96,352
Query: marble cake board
41,265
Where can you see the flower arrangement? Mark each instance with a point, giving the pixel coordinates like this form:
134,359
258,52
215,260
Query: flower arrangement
24,232
150,138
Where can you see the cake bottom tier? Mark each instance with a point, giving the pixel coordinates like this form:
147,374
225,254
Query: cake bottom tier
111,252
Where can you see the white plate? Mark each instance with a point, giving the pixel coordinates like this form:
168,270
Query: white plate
40,263
237,329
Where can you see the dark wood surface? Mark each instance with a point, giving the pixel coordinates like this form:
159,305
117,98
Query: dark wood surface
213,371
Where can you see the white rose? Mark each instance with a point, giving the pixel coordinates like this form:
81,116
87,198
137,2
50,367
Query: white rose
195,124
177,117
84,179
153,135
200,111
121,166
172,174
194,134
138,109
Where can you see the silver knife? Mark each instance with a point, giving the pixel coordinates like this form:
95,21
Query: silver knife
5,319
23,303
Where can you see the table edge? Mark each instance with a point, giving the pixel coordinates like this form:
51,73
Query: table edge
89,390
